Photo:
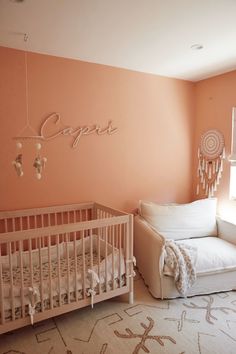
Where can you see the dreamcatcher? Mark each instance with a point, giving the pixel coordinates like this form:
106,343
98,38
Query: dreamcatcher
211,153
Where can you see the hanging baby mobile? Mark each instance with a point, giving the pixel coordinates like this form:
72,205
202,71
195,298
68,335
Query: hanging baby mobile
211,153
39,162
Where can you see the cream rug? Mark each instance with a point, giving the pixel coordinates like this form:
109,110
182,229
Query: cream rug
202,324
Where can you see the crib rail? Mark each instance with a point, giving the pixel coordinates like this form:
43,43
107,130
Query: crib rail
67,258
11,221
19,220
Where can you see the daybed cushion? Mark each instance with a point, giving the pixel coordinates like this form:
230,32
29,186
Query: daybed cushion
214,255
182,221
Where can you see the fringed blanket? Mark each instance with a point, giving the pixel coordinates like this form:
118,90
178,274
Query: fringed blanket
181,260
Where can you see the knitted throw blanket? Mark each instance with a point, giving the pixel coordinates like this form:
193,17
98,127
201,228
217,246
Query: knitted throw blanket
181,260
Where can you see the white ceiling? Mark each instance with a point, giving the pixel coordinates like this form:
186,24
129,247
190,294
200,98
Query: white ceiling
152,36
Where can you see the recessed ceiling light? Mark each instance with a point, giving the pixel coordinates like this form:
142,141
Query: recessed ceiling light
196,46
17,1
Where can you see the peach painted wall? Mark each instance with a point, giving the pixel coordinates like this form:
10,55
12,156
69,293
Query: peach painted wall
215,98
149,157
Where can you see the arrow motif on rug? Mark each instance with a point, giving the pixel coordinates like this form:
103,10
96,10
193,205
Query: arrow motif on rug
180,321
209,309
145,336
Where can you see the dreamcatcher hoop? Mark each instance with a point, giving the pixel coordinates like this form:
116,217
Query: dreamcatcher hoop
211,153
212,144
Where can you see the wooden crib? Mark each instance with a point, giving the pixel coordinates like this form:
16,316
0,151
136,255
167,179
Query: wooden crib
58,259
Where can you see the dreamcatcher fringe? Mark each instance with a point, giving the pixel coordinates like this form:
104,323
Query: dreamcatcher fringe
209,174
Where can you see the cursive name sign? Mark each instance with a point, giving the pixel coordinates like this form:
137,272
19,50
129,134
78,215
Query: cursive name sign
53,127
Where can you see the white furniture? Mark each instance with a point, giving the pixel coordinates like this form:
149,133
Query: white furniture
194,224
57,259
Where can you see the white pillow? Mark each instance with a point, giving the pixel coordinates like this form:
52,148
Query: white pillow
181,221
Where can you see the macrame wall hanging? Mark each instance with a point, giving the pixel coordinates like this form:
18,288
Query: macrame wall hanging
211,153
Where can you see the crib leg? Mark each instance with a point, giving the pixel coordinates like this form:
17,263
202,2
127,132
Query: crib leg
131,297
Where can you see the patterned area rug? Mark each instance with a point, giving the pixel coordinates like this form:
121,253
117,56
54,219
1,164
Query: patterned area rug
201,324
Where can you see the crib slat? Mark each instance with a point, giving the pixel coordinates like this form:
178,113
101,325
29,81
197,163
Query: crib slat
127,254
119,235
113,257
30,262
76,270
106,279
83,261
41,273
130,240
42,225
11,282
68,268
50,270
91,248
21,279
1,290
14,229
99,257
58,268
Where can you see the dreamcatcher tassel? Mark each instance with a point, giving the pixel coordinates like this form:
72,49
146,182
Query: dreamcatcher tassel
213,167
209,172
209,192
221,166
223,154
212,190
215,186
206,167
203,164
199,166
217,165
204,183
206,192
198,188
